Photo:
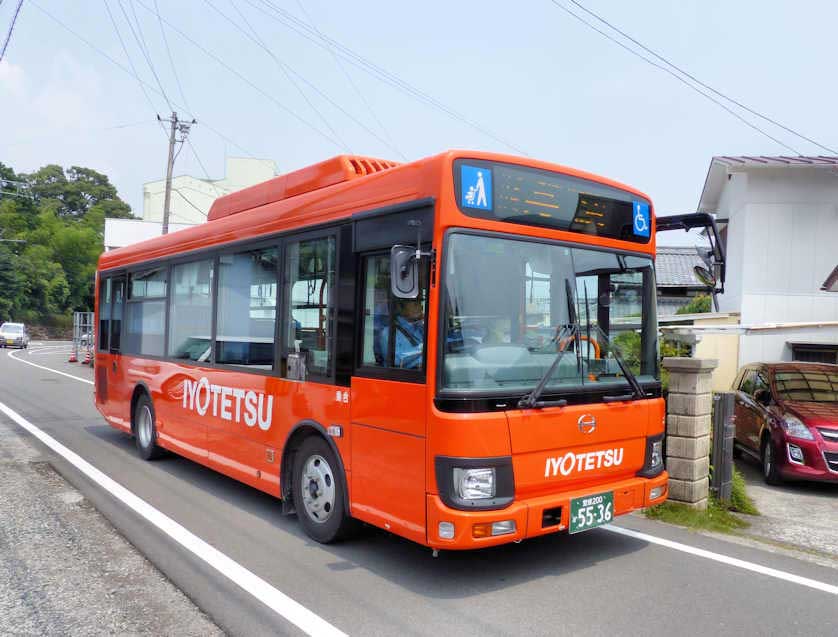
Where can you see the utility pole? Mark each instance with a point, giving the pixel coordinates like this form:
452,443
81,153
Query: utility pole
177,126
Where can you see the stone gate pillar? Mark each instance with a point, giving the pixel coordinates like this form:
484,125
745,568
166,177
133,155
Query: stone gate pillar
688,426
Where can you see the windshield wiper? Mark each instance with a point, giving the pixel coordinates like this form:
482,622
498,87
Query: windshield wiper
637,390
530,400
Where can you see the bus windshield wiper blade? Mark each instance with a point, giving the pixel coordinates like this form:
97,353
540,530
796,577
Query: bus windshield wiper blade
530,401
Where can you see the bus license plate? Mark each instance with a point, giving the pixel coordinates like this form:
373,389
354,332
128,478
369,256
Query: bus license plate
591,511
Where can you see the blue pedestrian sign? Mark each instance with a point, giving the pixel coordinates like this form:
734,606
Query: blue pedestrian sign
640,216
476,187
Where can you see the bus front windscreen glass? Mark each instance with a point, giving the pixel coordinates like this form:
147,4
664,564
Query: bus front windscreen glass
512,306
530,196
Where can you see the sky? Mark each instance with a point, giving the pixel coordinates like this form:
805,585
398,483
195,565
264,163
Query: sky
520,78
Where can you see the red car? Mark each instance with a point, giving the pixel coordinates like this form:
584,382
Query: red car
787,418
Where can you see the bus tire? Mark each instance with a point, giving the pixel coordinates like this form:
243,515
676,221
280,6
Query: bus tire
318,489
145,429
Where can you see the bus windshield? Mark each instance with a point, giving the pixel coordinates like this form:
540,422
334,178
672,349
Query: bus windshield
513,305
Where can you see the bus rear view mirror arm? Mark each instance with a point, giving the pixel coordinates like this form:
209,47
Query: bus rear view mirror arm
714,258
404,265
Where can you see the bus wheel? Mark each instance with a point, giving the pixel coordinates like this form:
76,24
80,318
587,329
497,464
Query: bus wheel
318,488
145,430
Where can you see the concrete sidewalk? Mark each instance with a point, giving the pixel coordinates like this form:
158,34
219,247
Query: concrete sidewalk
64,570
801,515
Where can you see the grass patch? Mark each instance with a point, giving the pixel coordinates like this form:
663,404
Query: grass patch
739,499
715,518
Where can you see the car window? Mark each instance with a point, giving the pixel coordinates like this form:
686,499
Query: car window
760,382
747,383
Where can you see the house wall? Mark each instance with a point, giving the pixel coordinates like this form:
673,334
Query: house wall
721,347
782,244
192,197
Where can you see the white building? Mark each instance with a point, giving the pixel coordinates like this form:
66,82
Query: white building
193,196
123,232
190,202
779,220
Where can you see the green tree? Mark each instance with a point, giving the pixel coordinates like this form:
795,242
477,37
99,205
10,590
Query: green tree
697,305
11,285
61,219
76,191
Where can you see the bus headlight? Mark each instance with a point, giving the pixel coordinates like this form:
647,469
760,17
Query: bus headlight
474,484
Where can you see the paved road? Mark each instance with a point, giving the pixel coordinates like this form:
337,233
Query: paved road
594,583
803,514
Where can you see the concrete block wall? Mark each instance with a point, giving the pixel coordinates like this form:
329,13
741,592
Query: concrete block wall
688,425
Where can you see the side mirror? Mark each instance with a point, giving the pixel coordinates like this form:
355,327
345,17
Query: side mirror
404,272
705,276
763,396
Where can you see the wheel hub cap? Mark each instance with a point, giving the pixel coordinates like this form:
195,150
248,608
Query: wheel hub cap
318,489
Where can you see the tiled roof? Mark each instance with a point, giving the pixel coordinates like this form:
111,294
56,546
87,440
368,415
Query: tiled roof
779,160
674,267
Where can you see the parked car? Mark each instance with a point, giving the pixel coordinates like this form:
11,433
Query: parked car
787,418
14,335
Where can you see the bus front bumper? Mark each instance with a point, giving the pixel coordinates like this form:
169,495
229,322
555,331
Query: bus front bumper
453,529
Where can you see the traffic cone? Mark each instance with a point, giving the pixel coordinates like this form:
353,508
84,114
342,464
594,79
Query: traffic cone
73,358
86,360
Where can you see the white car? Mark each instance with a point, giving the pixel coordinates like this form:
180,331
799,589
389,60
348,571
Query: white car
14,335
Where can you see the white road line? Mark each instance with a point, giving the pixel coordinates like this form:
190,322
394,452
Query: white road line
725,559
49,369
677,546
276,600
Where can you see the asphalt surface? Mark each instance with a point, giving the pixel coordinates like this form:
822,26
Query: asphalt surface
800,514
593,583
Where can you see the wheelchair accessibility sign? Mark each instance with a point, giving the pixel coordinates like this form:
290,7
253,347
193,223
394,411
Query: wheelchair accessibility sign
640,216
476,187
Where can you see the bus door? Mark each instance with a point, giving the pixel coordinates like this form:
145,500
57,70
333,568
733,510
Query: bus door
109,372
389,386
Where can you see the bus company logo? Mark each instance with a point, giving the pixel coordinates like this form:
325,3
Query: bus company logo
230,403
579,462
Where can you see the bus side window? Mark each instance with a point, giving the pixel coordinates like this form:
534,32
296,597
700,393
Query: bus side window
104,314
309,301
117,300
246,309
394,329
111,297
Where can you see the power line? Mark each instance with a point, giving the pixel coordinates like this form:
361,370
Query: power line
352,83
287,69
131,73
11,29
171,60
201,164
131,62
140,39
186,199
323,41
247,81
676,76
282,66
700,83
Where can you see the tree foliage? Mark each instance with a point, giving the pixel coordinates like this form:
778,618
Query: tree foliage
697,305
59,217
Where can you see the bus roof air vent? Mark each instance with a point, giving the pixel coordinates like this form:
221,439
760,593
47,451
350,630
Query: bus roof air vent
326,173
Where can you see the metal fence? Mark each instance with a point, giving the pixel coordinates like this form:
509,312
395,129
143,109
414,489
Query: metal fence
83,338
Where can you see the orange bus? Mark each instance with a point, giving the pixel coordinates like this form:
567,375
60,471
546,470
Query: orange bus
461,350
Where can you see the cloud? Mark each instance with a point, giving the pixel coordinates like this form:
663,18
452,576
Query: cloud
12,81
